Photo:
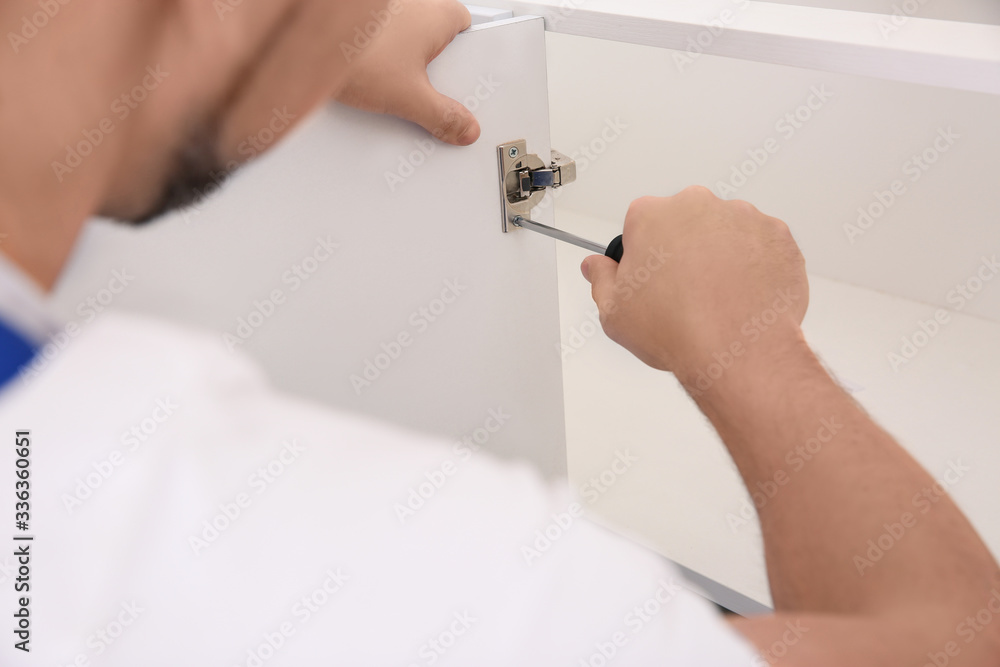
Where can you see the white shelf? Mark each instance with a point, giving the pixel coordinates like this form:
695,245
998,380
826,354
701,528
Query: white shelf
935,52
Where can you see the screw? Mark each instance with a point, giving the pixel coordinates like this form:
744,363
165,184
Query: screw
512,152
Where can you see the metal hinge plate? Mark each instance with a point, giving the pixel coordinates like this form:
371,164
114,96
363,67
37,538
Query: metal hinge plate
524,178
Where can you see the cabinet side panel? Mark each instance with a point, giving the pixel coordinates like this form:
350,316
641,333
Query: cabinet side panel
424,314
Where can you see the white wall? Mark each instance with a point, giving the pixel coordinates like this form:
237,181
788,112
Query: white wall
693,124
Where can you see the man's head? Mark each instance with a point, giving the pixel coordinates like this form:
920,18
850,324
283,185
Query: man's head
129,109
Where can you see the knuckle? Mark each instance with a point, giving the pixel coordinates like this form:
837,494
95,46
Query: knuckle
638,210
743,207
699,192
607,322
459,11
779,227
640,206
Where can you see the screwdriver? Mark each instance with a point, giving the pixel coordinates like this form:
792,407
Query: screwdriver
613,250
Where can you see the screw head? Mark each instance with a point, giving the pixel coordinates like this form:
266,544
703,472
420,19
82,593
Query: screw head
512,152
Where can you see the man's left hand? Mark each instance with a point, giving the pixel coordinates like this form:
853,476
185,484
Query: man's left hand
389,75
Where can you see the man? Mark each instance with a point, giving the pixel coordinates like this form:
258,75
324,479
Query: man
302,562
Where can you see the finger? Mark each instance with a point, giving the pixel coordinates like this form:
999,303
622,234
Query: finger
601,272
445,118
463,17
298,68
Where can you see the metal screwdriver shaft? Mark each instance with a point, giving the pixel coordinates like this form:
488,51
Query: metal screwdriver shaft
612,250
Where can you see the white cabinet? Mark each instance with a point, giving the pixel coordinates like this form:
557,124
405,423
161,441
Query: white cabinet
426,315
681,119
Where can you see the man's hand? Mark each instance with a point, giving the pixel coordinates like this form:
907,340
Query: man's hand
695,274
390,74
700,275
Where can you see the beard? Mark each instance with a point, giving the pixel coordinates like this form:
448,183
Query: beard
195,170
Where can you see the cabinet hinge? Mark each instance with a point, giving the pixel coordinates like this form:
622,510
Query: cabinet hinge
524,178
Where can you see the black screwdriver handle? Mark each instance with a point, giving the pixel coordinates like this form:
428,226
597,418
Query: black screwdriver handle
615,249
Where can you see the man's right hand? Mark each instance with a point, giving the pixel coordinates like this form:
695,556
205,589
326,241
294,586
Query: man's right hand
698,276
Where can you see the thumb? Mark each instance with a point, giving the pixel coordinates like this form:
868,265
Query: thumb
602,273
445,118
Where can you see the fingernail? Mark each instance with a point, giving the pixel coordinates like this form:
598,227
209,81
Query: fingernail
585,270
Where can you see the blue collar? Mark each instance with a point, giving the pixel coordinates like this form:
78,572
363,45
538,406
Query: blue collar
15,352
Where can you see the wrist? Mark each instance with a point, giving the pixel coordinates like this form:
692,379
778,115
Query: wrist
746,365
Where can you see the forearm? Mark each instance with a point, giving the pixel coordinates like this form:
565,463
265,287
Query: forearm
879,572
837,481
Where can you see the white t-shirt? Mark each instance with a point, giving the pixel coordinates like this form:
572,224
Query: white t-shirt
183,513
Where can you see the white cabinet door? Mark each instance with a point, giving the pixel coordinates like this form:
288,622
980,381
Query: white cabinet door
424,314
